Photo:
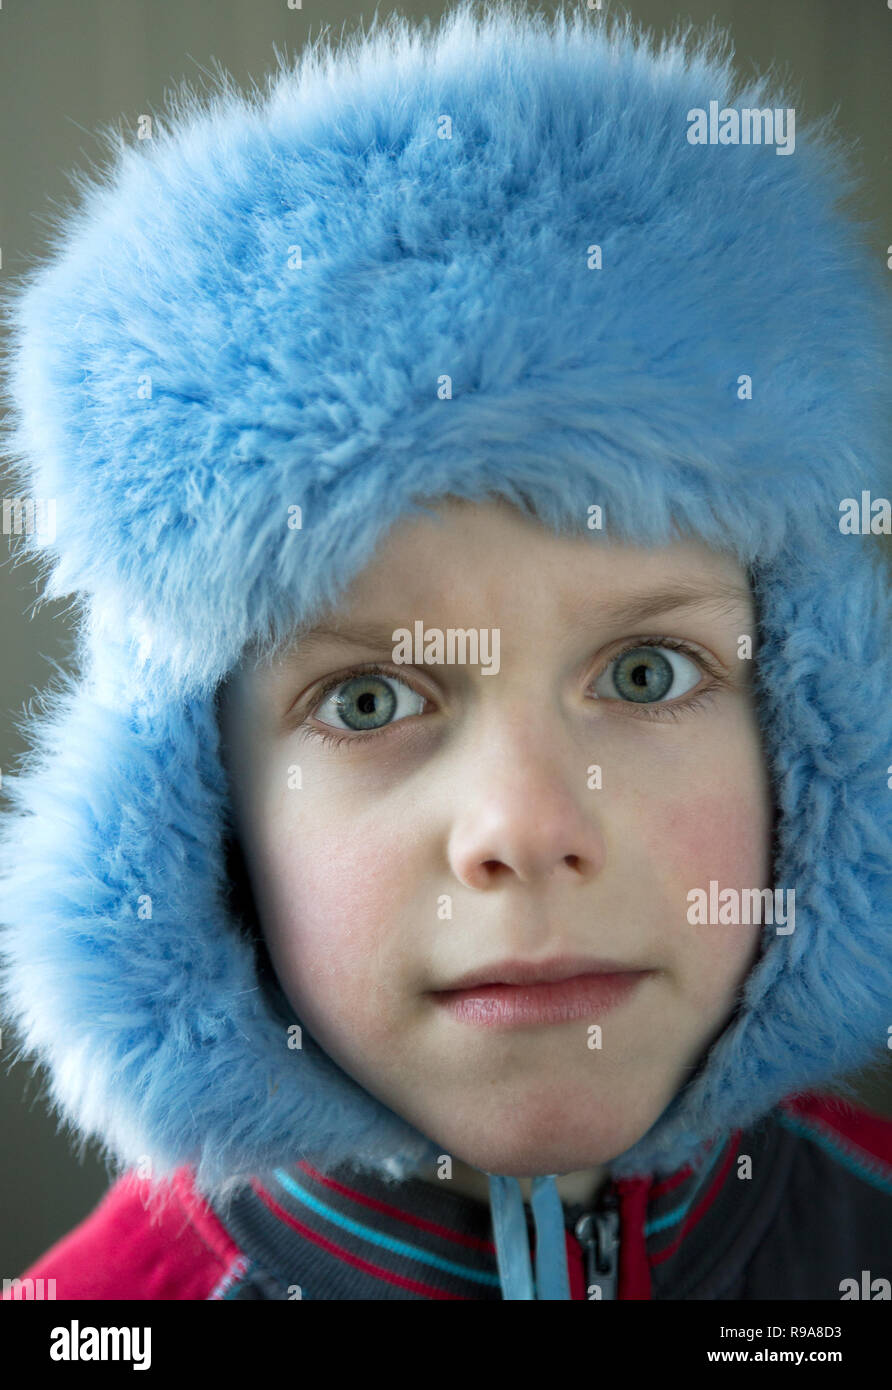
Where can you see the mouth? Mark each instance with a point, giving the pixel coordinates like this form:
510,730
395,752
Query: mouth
519,972
520,994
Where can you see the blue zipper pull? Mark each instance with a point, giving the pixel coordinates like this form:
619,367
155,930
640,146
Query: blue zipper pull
598,1233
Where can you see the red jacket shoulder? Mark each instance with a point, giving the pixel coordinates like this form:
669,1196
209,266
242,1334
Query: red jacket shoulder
850,1130
137,1245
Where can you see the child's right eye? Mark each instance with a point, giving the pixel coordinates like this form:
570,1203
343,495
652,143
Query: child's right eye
367,701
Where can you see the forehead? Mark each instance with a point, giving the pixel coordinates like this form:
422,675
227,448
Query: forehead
488,564
462,533
487,559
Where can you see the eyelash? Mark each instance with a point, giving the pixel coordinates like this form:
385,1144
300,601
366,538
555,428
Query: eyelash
335,738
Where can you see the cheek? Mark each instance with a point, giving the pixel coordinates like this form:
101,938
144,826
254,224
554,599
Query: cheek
713,817
330,899
707,836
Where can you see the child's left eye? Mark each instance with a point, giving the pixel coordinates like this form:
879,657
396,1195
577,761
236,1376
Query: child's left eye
647,674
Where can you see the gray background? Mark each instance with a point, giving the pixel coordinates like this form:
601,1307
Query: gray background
68,68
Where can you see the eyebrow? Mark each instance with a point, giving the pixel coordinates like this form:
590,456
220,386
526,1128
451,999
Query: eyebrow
721,596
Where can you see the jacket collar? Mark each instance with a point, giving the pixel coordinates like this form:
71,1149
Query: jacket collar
347,1233
698,1226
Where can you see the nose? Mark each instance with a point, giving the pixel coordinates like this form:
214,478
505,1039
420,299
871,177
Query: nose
528,815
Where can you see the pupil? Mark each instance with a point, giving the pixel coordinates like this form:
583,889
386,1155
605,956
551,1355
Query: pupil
366,703
642,675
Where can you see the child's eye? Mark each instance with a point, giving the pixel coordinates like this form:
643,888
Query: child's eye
652,672
648,674
368,701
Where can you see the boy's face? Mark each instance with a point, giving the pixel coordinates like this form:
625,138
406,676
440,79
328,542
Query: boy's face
477,794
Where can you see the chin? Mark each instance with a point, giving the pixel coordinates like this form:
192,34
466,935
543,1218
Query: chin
530,1146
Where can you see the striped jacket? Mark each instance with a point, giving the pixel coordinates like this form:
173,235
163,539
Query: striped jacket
796,1207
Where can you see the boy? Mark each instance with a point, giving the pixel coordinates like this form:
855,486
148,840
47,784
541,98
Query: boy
468,847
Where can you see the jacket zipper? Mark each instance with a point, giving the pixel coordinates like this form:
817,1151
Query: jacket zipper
598,1233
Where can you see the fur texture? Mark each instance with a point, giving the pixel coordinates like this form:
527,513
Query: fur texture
273,385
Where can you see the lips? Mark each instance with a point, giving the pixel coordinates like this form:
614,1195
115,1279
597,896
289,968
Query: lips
586,996
516,972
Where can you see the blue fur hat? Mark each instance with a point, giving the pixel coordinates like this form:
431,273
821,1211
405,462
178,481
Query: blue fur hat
227,374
